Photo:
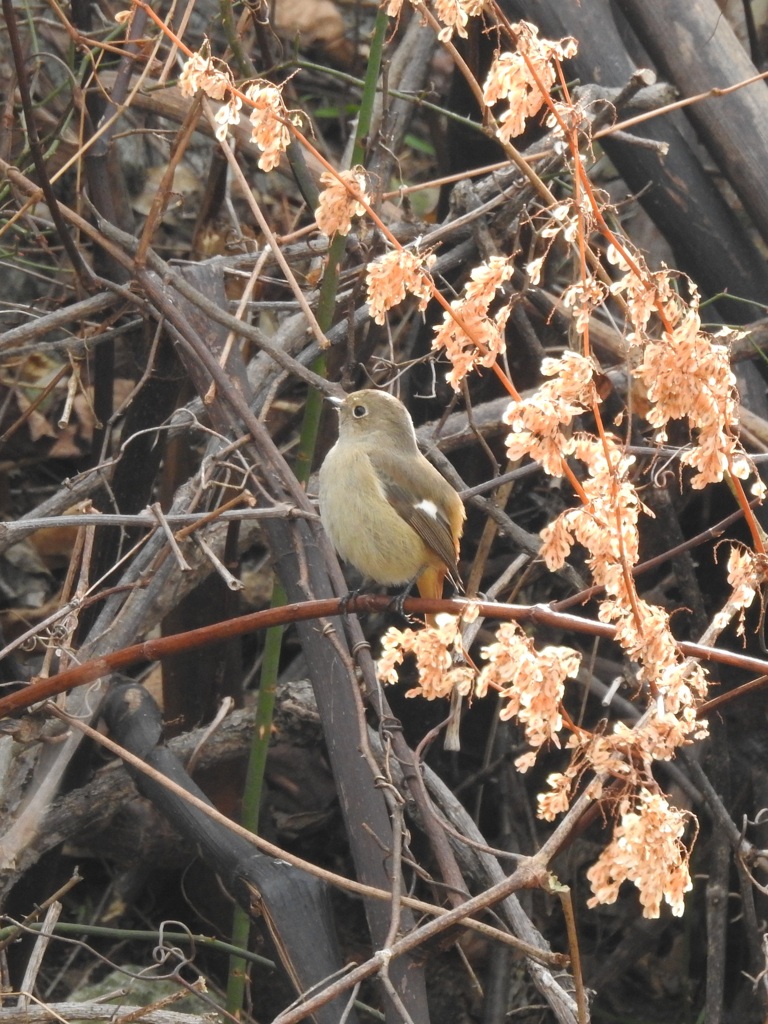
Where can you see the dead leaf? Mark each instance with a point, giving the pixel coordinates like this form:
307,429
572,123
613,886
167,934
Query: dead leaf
315,23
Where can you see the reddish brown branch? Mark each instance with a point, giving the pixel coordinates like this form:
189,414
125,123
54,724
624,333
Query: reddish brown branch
194,639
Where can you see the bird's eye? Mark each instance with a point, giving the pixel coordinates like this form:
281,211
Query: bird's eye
359,411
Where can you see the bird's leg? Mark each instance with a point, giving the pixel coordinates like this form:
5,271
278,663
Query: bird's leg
349,596
398,601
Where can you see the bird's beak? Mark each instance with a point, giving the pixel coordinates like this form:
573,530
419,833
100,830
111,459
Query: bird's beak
336,400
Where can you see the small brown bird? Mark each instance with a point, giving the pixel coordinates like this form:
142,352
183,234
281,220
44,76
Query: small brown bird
386,509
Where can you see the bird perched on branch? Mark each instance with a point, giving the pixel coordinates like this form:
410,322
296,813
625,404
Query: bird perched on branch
386,509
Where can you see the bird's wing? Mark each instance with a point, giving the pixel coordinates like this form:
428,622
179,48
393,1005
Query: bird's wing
422,515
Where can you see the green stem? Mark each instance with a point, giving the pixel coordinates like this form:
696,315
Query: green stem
326,303
252,792
369,86
138,935
245,66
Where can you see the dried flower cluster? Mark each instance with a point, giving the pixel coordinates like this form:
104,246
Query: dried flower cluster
686,373
469,334
340,200
269,117
524,78
531,682
454,14
394,275
439,658
202,71
746,575
540,425
647,848
547,427
686,376
559,221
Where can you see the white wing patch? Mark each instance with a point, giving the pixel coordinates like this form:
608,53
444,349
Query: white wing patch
428,507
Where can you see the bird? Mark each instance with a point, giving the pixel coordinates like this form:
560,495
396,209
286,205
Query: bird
386,509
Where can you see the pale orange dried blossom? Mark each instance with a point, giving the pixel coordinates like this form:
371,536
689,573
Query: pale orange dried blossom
746,575
647,849
558,799
663,730
606,755
227,114
394,275
680,685
483,339
337,205
627,753
688,376
646,292
202,71
511,78
686,372
583,298
624,753
561,219
566,116
268,120
531,682
436,649
215,79
538,423
607,524
558,220
455,14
